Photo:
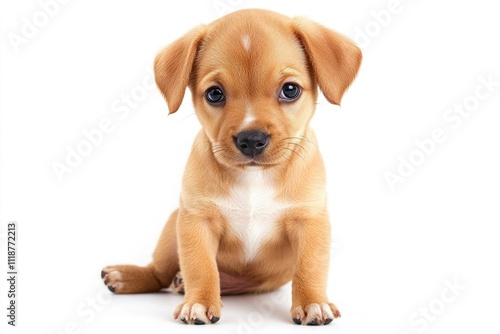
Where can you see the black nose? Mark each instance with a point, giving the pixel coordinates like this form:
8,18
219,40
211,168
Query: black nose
251,143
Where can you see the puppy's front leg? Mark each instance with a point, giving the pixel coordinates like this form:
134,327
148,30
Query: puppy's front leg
198,239
311,237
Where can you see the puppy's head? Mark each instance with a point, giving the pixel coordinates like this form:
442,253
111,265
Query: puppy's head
254,77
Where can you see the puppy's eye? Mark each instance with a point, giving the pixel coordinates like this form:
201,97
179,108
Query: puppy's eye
290,92
214,95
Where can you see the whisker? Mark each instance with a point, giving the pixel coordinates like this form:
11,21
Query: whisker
286,148
218,148
305,139
182,120
302,147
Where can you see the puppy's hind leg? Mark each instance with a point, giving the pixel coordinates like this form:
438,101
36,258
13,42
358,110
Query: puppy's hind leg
157,275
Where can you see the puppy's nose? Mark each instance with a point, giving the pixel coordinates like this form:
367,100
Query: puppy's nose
251,143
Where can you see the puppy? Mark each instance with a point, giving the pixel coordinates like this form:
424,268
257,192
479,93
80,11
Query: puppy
253,212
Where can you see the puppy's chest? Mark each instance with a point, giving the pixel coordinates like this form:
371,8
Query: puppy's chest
252,212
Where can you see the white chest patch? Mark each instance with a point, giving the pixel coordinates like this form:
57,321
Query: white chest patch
252,211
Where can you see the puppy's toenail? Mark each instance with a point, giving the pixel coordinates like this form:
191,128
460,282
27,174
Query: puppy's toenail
184,320
297,321
214,320
103,273
328,320
111,288
199,322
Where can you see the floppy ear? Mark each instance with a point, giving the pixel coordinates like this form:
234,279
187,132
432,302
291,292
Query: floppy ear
334,58
173,67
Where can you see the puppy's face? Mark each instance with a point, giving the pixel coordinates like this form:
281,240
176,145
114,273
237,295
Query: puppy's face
253,94
254,77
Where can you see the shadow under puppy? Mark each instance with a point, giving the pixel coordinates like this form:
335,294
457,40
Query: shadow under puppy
253,212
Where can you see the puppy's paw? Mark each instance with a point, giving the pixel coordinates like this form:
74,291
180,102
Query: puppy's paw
113,279
315,314
129,279
197,313
177,285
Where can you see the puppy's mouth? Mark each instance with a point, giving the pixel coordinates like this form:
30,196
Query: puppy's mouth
254,163
228,157
261,162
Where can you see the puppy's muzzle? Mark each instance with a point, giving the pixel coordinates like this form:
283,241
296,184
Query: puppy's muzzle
251,143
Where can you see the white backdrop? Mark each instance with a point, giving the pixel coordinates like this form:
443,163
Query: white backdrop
412,156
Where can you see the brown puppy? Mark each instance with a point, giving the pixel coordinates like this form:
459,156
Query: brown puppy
252,212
